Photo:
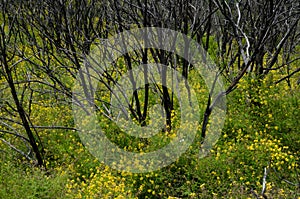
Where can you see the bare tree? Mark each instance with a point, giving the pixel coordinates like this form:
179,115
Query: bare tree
12,48
253,34
54,39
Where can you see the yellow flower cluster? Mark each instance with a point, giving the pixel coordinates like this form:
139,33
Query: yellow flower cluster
100,184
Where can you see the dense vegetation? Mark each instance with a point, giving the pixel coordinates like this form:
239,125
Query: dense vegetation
44,44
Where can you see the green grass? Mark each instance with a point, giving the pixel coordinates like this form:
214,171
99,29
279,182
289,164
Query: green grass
26,181
261,131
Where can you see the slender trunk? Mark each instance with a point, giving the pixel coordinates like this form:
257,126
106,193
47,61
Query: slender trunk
145,61
138,113
167,103
22,114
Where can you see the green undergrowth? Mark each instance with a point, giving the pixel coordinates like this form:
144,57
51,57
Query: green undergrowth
260,140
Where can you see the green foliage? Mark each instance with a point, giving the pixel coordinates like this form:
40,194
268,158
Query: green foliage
261,131
255,137
21,180
41,49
